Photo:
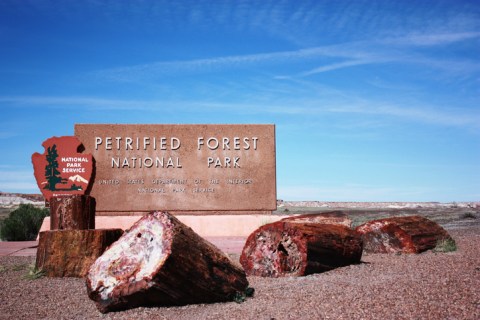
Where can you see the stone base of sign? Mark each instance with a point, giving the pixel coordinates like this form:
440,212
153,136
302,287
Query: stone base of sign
70,253
206,226
72,212
186,213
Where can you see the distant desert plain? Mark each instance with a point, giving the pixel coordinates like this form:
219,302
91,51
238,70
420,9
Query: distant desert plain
451,215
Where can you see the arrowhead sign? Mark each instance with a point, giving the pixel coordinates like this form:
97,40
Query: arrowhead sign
61,169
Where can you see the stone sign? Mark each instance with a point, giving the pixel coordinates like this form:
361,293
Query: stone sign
61,169
181,167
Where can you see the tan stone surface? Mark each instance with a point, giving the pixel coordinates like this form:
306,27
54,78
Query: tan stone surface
206,226
238,175
20,248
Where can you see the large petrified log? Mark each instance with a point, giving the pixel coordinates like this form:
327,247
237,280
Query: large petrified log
411,234
296,249
330,217
161,261
70,253
72,212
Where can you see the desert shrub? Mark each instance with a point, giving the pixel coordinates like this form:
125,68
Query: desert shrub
468,215
240,297
445,245
23,223
34,273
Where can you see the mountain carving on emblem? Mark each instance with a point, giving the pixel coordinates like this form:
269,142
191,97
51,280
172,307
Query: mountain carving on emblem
78,178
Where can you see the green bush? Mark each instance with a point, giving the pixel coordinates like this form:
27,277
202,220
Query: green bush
445,245
23,223
468,215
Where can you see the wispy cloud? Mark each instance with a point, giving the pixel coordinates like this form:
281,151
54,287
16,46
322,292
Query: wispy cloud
7,134
350,54
379,52
431,39
340,65
419,113
20,186
204,65
311,105
74,102
14,180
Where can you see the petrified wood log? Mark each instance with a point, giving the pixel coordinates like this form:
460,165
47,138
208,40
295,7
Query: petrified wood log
331,217
162,262
412,234
296,249
70,253
72,212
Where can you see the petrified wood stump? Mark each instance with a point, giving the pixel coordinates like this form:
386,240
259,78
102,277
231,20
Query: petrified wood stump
162,262
72,212
296,249
331,217
70,253
413,234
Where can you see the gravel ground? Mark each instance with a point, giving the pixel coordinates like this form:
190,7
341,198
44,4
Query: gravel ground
425,286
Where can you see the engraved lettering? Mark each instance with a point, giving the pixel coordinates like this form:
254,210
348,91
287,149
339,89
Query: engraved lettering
225,144
98,141
175,143
109,181
128,143
226,163
146,142
213,143
203,190
148,162
135,181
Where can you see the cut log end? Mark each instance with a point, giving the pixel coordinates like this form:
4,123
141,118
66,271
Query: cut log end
132,260
296,249
162,262
274,253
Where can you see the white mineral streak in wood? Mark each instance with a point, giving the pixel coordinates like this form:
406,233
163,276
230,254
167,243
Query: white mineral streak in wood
131,260
374,226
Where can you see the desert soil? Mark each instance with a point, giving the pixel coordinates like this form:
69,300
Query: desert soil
384,286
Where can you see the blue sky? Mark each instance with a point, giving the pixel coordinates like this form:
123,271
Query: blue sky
372,100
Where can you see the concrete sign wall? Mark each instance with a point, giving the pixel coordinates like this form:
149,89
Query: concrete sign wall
181,167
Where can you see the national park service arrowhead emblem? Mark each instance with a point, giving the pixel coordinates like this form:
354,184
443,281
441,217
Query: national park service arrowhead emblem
61,169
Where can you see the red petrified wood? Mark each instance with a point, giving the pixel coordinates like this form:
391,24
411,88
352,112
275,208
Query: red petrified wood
72,212
330,217
413,234
296,249
161,261
70,253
